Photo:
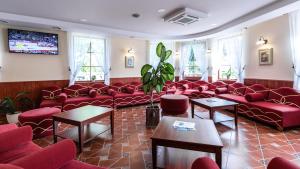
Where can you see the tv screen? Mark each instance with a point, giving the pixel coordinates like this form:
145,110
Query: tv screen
22,41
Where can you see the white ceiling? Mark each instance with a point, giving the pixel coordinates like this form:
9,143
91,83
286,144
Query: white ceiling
116,15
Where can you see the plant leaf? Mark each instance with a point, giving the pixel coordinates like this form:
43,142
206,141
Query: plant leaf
145,69
159,49
158,88
168,54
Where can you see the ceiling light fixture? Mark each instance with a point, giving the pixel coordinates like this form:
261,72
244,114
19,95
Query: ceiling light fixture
261,41
135,15
214,24
83,20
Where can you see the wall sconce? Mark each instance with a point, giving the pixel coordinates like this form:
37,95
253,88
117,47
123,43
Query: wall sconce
208,51
261,41
131,51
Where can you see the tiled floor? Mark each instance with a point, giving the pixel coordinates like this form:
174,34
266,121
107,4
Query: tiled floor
252,146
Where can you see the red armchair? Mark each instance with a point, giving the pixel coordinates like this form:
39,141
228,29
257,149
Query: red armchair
21,153
275,163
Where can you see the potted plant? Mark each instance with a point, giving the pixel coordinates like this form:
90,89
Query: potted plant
12,107
154,79
228,74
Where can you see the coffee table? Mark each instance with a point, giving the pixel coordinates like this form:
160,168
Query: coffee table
213,104
205,138
83,119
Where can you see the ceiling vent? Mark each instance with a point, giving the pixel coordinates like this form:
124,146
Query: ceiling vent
185,16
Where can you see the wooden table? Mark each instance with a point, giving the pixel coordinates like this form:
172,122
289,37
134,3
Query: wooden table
205,138
213,104
83,118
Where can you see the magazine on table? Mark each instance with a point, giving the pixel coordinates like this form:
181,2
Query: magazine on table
185,126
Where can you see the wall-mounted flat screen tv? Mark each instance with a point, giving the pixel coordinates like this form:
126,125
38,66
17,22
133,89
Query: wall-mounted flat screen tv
29,42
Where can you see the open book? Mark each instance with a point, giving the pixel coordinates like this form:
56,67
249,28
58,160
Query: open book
182,125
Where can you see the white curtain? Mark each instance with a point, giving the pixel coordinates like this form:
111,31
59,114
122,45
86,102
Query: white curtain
233,47
77,51
107,67
294,20
199,49
153,59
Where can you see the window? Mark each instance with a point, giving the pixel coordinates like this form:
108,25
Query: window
225,71
193,55
90,56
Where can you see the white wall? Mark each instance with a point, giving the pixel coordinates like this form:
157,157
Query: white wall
119,49
276,31
29,67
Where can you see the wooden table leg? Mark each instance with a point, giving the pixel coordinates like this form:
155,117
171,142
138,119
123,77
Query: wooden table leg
219,157
193,111
112,122
54,125
154,154
80,137
211,115
236,116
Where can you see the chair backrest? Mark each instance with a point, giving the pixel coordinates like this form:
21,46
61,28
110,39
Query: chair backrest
285,95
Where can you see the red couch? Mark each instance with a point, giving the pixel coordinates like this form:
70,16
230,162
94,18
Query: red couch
21,153
278,107
275,163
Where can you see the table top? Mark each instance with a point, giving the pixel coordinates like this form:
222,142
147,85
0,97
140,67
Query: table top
83,113
205,133
213,102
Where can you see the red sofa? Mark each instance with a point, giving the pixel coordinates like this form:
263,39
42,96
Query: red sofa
277,107
275,163
21,153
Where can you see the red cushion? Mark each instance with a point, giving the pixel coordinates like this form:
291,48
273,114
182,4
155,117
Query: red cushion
185,86
51,93
281,94
237,88
254,97
7,127
128,90
92,93
188,92
16,138
62,98
52,157
9,166
198,83
174,104
204,163
100,88
50,103
233,97
280,163
118,86
76,91
111,92
221,90
203,88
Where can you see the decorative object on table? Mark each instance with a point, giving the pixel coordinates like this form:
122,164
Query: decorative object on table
154,78
265,56
184,126
261,41
12,107
129,61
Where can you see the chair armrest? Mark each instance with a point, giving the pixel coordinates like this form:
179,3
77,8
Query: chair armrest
15,137
221,90
7,127
52,157
280,163
204,163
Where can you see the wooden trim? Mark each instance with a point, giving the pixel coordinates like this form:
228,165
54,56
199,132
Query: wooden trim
125,80
270,83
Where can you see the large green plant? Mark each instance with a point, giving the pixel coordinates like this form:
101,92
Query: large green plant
153,78
20,102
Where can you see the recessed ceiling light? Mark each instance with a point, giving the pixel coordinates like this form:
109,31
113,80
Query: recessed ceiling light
135,15
161,10
56,27
214,24
83,20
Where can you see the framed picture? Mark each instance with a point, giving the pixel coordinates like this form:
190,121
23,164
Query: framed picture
265,56
129,61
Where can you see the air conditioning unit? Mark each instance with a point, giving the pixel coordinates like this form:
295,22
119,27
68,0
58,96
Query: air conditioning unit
185,16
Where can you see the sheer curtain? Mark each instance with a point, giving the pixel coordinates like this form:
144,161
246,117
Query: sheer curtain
294,19
107,61
199,49
153,59
77,51
233,47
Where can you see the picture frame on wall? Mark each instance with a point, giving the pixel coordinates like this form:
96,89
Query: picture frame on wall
265,56
129,61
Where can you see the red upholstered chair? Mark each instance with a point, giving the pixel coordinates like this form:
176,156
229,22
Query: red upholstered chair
50,96
275,163
7,127
40,120
21,153
174,104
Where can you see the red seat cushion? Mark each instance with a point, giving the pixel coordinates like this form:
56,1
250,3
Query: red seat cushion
233,97
254,97
9,166
50,103
189,92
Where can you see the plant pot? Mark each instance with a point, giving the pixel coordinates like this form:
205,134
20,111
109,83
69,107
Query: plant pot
13,118
152,116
